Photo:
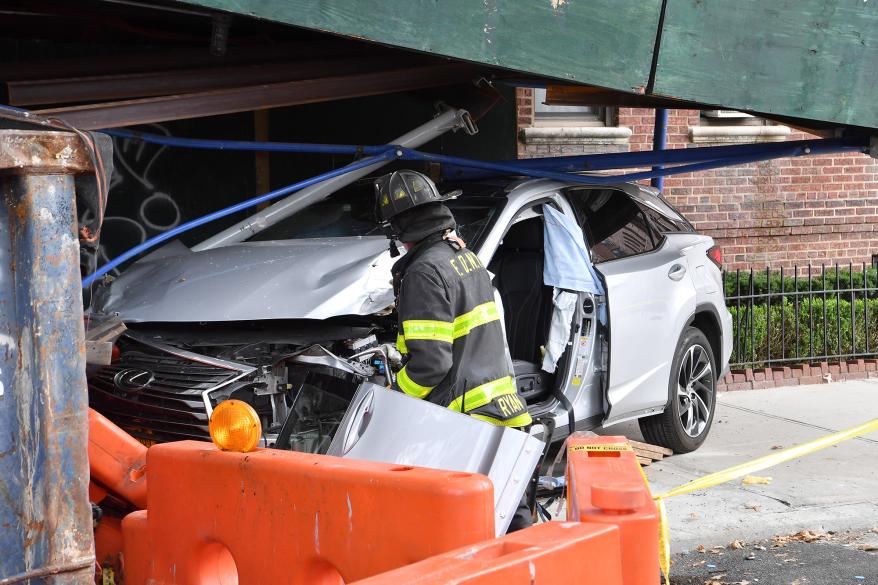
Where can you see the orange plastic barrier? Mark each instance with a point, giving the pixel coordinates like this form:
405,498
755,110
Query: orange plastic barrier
274,516
553,552
605,485
108,542
117,461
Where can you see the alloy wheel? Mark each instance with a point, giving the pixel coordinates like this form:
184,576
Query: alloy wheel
695,390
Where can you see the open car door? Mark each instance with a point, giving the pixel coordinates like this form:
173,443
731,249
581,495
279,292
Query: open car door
649,295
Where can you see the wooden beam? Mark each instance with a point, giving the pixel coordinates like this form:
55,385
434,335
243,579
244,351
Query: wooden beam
243,99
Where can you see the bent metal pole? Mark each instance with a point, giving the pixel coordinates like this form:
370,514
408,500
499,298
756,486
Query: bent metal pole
451,119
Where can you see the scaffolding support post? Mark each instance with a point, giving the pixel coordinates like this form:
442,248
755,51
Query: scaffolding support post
659,142
45,515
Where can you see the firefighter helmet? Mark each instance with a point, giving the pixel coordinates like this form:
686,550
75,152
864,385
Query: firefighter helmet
400,191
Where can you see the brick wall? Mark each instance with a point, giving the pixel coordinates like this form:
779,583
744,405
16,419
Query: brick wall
821,209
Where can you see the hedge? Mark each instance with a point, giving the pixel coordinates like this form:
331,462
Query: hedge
755,352
761,281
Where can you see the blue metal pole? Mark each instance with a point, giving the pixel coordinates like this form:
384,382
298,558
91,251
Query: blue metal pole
648,158
248,145
659,141
45,516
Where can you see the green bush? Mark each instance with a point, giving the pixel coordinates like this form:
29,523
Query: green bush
751,342
761,281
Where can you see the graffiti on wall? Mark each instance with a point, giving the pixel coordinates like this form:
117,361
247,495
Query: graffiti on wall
139,206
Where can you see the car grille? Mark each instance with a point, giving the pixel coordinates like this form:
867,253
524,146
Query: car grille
171,406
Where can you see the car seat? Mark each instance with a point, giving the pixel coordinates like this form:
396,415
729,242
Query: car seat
527,302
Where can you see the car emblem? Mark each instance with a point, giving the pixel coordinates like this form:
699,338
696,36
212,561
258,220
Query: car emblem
133,380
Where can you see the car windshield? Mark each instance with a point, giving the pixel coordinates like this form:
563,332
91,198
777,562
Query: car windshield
351,212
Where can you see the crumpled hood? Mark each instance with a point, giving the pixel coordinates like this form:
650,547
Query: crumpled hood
289,279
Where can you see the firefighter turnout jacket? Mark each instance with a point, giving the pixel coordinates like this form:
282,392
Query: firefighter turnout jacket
451,336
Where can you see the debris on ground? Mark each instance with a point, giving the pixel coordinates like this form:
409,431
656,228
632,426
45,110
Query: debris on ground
807,536
753,506
647,453
736,544
810,557
756,480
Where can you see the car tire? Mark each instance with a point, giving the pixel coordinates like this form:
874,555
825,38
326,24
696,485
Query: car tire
686,422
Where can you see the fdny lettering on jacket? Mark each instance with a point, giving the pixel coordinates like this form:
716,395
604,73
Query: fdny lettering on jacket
465,262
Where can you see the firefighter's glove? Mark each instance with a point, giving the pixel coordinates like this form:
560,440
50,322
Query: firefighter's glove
394,357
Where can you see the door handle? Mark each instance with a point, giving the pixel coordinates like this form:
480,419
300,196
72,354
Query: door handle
677,272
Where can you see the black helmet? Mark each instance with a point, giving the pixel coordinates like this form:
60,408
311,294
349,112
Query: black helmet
402,190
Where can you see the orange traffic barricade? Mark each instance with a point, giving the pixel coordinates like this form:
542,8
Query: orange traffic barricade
117,461
553,552
606,485
273,516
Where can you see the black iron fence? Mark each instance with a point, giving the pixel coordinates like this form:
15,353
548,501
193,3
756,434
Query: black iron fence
803,315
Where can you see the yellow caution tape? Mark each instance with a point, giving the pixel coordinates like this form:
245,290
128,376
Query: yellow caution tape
744,469
664,540
605,447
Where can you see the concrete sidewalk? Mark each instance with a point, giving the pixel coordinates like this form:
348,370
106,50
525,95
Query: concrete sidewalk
834,489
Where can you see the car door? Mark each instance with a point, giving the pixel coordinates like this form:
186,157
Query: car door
526,205
650,298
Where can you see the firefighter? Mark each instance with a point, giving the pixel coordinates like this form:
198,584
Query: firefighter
449,327
450,331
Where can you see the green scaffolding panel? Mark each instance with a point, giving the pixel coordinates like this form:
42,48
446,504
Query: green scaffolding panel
812,59
608,43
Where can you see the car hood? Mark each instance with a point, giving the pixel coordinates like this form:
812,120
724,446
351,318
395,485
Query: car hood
290,279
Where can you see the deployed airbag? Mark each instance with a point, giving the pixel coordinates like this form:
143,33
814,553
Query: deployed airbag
568,264
559,331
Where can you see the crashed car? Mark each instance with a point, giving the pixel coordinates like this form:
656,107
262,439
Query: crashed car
296,318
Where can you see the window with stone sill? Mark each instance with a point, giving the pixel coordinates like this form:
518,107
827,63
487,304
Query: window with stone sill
549,115
572,125
731,126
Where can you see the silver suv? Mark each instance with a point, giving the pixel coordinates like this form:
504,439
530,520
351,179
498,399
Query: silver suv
293,320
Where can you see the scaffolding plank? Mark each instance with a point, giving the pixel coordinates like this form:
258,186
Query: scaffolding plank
812,59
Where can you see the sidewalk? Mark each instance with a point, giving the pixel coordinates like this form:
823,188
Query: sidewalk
834,489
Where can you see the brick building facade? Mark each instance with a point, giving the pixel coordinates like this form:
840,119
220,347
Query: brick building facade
778,213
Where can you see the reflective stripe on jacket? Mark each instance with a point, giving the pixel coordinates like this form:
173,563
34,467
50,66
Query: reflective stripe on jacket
452,337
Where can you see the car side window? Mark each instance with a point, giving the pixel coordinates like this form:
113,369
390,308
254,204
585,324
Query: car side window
615,226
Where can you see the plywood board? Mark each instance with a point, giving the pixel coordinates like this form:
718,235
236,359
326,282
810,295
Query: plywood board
813,59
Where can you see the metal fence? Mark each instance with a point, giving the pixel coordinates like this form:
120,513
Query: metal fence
803,315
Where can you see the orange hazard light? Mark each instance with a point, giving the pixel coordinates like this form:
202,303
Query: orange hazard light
235,426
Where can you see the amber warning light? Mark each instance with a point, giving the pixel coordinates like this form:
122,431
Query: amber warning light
235,426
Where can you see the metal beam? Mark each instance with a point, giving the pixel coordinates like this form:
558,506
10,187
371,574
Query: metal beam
45,516
448,120
72,90
194,105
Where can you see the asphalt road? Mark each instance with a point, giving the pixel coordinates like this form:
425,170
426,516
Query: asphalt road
834,559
